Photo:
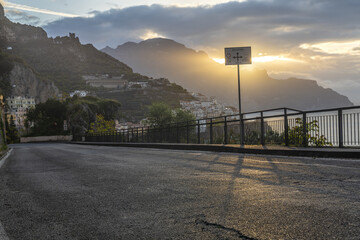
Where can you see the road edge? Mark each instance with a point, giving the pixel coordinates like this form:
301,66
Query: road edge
3,235
289,152
3,158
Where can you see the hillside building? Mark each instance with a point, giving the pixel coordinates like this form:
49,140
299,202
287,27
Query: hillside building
79,93
17,108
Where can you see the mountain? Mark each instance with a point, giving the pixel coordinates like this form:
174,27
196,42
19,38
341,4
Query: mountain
17,77
197,72
32,64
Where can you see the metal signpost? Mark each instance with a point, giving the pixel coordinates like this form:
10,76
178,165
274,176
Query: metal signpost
237,56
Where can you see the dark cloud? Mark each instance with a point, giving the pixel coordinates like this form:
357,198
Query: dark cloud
22,17
278,22
269,26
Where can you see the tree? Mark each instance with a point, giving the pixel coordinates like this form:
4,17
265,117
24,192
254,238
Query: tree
81,112
160,115
47,118
2,132
182,116
12,134
102,125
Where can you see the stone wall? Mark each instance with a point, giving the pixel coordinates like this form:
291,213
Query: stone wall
46,139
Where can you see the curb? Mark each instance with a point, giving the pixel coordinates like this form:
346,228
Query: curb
316,153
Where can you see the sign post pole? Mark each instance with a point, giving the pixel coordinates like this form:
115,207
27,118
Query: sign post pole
242,134
237,56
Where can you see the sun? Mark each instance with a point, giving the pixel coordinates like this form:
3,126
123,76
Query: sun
263,59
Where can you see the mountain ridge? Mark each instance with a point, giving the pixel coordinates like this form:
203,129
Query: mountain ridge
196,71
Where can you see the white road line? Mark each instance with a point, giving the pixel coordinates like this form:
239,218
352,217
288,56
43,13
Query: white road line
2,160
3,235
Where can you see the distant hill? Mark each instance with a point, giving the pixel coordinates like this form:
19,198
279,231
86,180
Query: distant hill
32,64
197,72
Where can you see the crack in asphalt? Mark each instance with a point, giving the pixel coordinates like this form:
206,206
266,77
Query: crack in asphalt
219,226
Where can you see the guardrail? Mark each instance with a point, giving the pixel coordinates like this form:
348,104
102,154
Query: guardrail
282,126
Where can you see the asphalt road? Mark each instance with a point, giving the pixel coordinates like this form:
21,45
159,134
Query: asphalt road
64,191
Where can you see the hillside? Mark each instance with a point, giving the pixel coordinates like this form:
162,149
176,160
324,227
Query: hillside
62,60
197,72
34,65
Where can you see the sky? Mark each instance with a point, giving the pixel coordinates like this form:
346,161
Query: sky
312,39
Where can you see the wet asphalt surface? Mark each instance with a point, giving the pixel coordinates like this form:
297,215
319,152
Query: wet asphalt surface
64,191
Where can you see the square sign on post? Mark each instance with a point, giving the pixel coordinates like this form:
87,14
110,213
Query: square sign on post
238,55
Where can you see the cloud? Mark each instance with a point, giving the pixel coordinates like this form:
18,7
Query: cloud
38,10
20,16
347,47
275,28
280,22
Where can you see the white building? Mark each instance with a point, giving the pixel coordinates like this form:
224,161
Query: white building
205,107
79,93
142,84
18,106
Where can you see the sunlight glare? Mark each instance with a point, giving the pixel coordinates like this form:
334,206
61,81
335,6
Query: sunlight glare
150,34
219,60
351,48
262,59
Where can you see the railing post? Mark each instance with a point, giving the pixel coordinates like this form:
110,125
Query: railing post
225,131
128,135
262,129
211,131
187,132
161,134
168,133
340,127
304,130
148,134
198,131
286,126
242,129
177,133
142,134
137,134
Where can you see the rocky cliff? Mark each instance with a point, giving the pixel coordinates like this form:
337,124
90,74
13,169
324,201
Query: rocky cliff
25,83
16,77
44,65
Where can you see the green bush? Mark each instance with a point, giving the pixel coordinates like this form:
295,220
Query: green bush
296,134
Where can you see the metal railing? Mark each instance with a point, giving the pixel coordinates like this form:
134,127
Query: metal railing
282,126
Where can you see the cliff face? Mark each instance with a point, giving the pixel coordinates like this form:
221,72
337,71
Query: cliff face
21,79
25,83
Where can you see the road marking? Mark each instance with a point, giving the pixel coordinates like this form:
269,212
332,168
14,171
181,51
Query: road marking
2,161
3,235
